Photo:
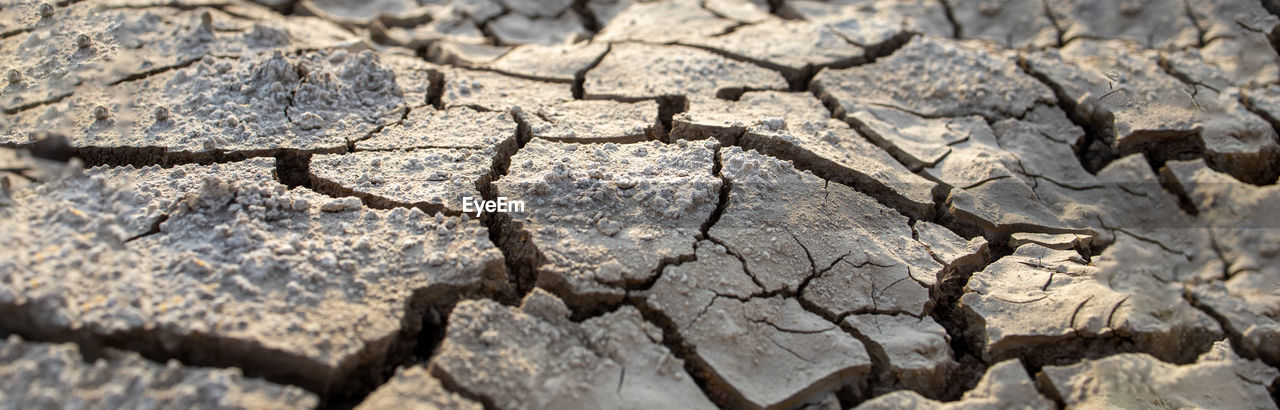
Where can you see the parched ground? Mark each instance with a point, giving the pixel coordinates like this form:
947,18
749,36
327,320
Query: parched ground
727,204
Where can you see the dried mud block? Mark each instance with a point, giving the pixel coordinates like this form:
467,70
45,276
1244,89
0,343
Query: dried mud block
1237,141
42,375
975,160
1005,383
728,120
990,84
1226,62
869,23
479,10
685,290
1012,23
317,102
534,357
761,353
274,4
465,54
989,188
605,10
1265,101
1029,181
596,121
772,353
561,62
1121,90
415,387
431,179
362,13
84,43
1044,305
1042,153
915,141
1126,197
75,43
1043,146
158,189
448,30
795,126
750,11
794,48
496,92
1006,205
454,127
662,22
915,353
1246,239
538,8
1237,41
951,250
286,284
1063,241
604,216
514,28
1153,23
1219,379
838,249
295,33
836,152
639,71
415,77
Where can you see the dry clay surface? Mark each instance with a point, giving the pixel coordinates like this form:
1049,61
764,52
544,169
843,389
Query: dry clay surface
738,204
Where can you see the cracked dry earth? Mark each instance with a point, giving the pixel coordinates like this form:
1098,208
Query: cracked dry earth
728,204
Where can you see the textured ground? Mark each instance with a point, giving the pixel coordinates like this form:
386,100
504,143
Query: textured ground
729,204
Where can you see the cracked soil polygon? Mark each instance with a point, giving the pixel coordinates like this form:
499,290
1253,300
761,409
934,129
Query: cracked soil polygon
762,352
292,294
640,71
1218,379
91,44
1082,307
596,121
320,101
453,127
1012,23
1240,223
989,85
824,242
795,126
662,22
1004,383
870,22
533,356
416,387
42,375
432,179
607,215
1138,107
560,62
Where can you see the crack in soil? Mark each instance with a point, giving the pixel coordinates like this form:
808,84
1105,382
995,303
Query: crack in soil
1094,150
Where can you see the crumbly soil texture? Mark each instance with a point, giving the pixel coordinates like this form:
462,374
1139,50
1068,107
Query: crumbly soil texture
634,204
